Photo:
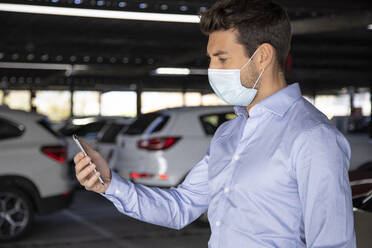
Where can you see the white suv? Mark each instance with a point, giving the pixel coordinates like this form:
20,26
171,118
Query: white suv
160,148
33,173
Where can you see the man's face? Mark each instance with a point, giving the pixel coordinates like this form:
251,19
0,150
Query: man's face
226,53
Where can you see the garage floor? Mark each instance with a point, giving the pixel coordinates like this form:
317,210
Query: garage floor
92,222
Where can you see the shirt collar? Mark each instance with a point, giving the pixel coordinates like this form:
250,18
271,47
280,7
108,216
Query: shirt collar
278,103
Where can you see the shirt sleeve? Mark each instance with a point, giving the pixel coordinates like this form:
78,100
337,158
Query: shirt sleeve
173,207
321,169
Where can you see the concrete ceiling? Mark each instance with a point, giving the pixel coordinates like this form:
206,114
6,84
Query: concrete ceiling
331,47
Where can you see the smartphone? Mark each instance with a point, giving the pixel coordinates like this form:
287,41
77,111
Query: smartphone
76,139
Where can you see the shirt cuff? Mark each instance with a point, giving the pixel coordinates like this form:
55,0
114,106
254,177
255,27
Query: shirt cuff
116,191
114,184
113,189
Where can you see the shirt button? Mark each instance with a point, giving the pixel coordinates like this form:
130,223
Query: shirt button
236,157
117,191
218,223
226,190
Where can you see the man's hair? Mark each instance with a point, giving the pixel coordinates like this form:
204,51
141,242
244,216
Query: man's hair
257,22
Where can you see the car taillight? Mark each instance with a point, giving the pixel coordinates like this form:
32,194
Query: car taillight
157,144
136,175
57,153
163,176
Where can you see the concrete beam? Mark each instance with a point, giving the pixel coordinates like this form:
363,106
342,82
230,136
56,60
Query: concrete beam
332,23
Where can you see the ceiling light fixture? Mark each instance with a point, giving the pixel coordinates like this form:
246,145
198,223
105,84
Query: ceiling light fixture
172,71
179,71
41,66
95,13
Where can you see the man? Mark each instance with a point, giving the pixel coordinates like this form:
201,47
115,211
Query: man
274,176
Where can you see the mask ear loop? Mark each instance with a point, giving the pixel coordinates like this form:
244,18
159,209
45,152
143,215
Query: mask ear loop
258,77
250,59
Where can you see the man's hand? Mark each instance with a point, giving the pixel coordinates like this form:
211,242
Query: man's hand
85,173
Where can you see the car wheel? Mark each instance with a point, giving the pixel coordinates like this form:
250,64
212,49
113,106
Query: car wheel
16,214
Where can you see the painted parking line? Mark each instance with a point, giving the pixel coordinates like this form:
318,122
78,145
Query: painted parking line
119,243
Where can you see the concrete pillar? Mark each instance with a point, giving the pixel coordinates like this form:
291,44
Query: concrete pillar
72,103
351,91
100,103
32,98
313,96
139,102
6,93
184,98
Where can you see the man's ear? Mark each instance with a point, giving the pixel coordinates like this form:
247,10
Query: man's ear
266,55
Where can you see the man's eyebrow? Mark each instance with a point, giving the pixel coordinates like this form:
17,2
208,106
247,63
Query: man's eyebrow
217,53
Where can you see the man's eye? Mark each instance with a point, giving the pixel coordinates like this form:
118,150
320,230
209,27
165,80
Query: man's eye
222,60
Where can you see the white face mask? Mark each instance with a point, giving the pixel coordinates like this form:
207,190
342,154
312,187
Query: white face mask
227,85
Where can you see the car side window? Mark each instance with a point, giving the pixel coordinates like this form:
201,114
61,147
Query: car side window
9,129
211,122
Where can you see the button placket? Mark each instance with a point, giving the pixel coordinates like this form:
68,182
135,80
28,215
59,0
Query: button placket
239,149
226,189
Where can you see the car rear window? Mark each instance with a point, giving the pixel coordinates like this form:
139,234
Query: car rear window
91,129
211,122
157,120
9,129
48,127
110,132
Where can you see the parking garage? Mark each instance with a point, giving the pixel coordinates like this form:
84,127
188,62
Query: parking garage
119,74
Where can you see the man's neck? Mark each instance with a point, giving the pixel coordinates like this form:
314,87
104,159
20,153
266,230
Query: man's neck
267,88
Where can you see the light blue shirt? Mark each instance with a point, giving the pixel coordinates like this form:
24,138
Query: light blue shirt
277,177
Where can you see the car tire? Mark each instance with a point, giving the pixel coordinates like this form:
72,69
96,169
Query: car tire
16,214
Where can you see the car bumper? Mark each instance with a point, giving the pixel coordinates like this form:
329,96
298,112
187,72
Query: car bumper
51,204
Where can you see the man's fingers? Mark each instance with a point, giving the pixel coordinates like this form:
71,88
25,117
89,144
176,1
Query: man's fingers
84,173
83,162
92,180
78,157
